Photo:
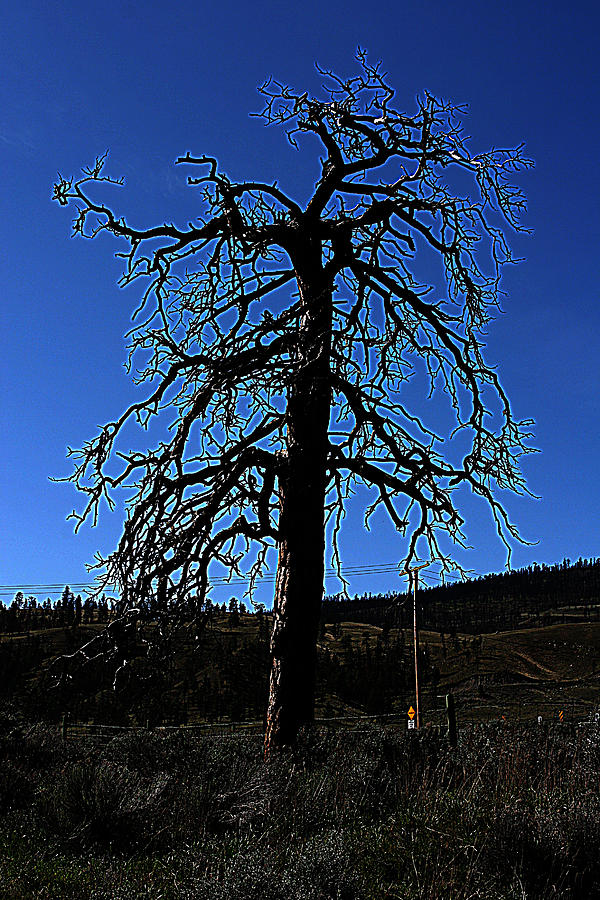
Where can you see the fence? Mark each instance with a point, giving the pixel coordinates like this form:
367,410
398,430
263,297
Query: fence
97,732
395,721
445,718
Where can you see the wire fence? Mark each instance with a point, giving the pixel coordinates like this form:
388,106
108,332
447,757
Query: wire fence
437,720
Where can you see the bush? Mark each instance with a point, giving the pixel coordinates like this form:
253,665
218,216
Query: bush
319,869
511,812
102,804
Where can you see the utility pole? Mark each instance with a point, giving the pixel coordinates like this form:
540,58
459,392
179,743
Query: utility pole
413,575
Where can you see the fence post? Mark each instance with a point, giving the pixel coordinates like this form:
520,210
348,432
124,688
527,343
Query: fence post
451,717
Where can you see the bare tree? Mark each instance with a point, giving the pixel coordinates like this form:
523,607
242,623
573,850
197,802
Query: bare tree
280,337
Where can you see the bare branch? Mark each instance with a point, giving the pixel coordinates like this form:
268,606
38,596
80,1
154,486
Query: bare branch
273,342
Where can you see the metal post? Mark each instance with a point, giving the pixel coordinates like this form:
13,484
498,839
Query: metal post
415,578
451,719
413,574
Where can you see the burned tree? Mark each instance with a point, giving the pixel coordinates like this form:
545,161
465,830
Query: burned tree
281,336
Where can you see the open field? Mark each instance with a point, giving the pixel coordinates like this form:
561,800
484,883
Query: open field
357,813
523,674
518,674
513,812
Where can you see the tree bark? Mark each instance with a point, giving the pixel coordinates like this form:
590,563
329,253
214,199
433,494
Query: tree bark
302,486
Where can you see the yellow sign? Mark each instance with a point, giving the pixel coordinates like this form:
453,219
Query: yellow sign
560,715
411,713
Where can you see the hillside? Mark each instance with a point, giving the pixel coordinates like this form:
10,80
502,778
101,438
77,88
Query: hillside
362,670
511,600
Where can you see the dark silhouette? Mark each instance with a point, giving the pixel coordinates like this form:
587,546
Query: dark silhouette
531,597
280,335
226,676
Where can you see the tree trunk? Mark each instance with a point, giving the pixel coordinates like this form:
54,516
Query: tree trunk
302,486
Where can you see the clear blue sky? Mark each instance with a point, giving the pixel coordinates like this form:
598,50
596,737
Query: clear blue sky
152,80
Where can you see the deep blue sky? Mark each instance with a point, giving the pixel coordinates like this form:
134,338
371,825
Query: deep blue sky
150,81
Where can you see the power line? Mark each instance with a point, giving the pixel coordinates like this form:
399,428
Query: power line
347,571
382,568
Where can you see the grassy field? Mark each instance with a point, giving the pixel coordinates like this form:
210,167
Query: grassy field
512,812
518,675
523,674
356,813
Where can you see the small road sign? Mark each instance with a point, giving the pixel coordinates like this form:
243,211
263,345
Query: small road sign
411,723
560,715
411,713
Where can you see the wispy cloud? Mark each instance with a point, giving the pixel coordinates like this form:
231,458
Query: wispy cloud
16,139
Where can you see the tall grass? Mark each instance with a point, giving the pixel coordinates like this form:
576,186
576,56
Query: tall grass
509,813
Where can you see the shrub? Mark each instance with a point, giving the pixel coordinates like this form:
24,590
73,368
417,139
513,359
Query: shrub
102,804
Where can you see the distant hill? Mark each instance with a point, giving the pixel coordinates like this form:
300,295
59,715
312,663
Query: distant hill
537,595
524,643
362,670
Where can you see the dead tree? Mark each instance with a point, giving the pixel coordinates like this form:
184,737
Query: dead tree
279,336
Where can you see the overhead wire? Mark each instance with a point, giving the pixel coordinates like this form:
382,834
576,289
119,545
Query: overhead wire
347,571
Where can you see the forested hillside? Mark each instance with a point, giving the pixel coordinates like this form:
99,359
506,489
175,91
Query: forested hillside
365,654
537,595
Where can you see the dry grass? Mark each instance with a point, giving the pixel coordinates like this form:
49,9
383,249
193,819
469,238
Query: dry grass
511,813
